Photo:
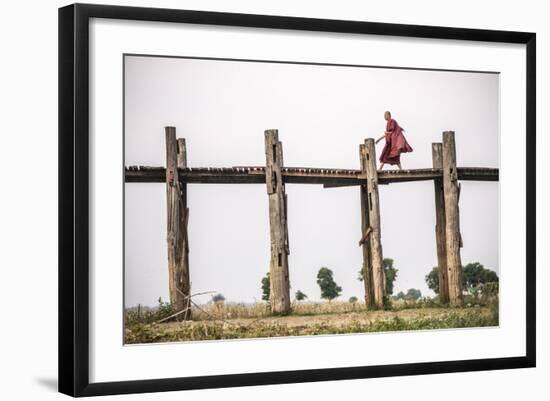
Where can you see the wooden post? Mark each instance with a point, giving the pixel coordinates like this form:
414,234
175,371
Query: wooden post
437,162
177,212
279,281
365,233
452,229
374,218
184,277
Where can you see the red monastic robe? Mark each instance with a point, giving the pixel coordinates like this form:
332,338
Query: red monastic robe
395,144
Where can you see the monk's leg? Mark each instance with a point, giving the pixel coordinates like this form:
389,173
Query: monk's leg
381,166
398,161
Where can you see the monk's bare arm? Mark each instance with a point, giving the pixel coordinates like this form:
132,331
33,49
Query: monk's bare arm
379,139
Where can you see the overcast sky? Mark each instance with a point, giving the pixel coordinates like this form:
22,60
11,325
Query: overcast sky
322,113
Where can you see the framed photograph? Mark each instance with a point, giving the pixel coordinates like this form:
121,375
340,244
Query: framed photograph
254,199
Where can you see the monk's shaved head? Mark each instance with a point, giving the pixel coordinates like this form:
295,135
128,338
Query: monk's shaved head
387,115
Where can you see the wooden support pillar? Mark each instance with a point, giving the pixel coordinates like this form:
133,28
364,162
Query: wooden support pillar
378,274
437,160
452,229
279,281
177,218
365,233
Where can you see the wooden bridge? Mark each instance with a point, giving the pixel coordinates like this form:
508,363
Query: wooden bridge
301,175
444,173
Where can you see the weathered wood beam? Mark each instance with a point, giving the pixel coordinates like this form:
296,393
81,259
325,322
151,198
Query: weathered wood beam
279,297
452,229
441,245
294,175
379,284
177,216
366,231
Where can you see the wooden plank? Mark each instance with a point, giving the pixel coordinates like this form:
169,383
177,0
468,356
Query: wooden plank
279,279
452,229
366,230
441,246
374,220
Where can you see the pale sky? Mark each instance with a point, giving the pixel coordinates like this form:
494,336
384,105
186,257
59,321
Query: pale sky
322,113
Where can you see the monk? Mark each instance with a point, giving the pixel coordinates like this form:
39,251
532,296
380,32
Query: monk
395,143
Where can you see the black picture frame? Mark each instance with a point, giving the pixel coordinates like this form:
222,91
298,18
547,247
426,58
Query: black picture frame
74,198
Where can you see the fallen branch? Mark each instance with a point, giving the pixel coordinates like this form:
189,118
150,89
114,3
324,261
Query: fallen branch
188,307
171,316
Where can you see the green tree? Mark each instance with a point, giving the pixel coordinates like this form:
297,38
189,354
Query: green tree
391,274
329,288
473,274
218,298
266,289
300,296
400,295
432,280
413,293
353,300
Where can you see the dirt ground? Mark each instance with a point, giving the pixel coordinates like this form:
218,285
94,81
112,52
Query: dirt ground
334,319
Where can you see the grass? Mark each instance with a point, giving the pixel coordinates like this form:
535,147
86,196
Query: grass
232,321
238,310
232,310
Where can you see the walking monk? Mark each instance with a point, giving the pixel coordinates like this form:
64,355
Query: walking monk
395,143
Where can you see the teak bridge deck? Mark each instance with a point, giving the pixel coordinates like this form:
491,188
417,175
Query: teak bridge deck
274,175
301,175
